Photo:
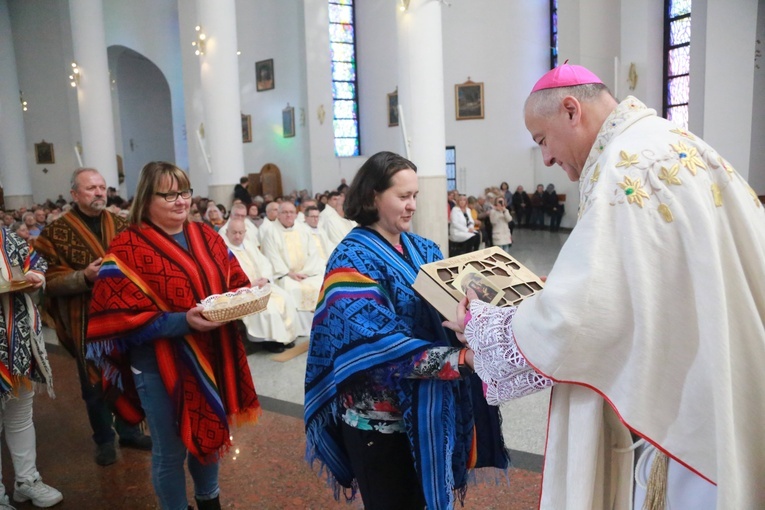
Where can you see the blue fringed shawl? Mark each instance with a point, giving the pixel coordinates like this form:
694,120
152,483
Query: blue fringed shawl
368,317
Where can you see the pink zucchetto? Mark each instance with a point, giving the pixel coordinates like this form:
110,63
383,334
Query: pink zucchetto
566,75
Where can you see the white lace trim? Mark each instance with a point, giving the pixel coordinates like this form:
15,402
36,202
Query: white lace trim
497,360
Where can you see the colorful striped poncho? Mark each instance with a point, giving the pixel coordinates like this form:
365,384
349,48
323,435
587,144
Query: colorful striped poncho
69,246
23,358
145,274
368,317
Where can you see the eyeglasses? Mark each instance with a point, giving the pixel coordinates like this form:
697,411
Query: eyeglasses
172,196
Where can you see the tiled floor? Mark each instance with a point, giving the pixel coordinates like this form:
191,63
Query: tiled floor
265,469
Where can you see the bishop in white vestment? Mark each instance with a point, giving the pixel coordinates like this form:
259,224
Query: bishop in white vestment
651,323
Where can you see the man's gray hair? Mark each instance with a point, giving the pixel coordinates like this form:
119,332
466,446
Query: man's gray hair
239,207
547,102
76,173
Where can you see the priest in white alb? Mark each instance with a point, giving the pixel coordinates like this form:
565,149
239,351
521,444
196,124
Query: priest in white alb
277,327
332,218
323,245
297,267
272,209
650,328
251,238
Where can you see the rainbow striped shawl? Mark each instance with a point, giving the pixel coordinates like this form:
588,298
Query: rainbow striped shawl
369,317
146,273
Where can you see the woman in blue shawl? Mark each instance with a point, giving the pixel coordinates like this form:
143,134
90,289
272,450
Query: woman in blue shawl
391,408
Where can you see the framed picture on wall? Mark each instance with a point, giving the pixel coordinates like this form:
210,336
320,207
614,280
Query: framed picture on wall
44,153
468,99
264,75
288,121
393,108
246,128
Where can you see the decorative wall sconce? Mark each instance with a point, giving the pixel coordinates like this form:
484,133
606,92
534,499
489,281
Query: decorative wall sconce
403,5
22,101
74,78
201,41
632,77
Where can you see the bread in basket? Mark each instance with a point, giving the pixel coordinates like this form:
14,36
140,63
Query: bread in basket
235,305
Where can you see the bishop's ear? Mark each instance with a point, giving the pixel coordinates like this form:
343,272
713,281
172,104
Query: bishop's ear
572,107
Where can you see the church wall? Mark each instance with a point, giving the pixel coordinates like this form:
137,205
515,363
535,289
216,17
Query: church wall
377,47
642,44
326,168
722,74
273,29
757,156
505,45
502,44
43,48
150,27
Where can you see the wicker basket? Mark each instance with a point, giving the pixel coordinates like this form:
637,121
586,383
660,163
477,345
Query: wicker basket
250,301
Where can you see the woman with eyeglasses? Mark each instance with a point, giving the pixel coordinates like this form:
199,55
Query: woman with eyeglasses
186,375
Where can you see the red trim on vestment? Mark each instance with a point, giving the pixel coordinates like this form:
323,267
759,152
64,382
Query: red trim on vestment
618,414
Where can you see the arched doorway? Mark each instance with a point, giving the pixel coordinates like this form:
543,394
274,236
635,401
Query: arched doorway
143,113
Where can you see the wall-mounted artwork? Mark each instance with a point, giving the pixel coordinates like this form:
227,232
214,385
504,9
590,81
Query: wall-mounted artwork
44,154
393,108
468,98
246,128
264,75
288,121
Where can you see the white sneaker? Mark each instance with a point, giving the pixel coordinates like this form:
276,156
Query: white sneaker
42,495
5,504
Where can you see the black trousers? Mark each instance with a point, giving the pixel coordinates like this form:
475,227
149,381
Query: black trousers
384,468
470,245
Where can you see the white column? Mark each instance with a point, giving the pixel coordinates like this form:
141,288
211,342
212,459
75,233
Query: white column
14,172
421,96
94,98
219,69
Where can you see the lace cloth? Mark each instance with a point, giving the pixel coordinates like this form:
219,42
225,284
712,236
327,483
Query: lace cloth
497,360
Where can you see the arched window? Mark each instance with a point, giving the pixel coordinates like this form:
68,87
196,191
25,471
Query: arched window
345,109
677,60
451,167
553,34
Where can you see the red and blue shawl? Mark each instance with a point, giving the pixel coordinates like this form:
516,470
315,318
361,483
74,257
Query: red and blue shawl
145,273
368,317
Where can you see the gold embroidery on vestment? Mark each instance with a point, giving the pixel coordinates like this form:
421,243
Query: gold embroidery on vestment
717,195
670,176
634,191
666,213
627,159
689,157
595,174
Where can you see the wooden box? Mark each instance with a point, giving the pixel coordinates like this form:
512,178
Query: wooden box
496,276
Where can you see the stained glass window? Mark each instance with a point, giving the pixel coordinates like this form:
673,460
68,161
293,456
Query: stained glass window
553,34
342,48
451,168
677,60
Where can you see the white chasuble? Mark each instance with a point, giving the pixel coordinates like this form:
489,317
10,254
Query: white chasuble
291,250
653,314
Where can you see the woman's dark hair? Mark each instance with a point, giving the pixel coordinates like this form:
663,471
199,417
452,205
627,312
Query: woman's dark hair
373,177
504,186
